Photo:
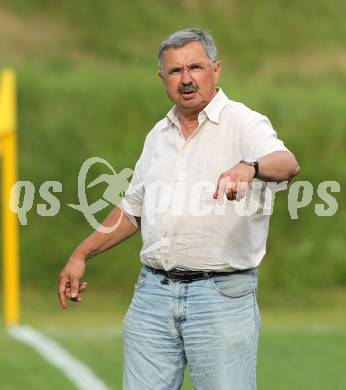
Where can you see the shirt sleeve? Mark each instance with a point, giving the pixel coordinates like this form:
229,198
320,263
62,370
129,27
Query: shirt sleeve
132,203
261,139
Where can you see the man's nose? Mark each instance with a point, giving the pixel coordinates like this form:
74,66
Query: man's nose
186,76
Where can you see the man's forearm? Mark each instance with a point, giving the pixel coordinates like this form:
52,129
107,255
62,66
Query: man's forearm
278,166
99,242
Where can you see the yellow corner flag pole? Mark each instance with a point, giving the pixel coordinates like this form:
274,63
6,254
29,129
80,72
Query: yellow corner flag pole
8,149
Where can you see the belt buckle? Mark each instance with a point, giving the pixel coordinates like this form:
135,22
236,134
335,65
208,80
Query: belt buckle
175,274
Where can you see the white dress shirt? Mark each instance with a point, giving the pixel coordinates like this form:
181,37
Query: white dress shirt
171,190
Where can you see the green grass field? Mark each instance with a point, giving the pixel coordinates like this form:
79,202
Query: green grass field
299,350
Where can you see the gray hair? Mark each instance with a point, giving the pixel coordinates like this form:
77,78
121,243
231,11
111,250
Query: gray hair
183,37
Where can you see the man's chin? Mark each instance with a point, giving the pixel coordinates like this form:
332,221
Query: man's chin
189,100
193,104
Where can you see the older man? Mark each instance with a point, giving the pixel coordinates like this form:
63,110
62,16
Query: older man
195,298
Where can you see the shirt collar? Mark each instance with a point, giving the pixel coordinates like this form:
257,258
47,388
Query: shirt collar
212,110
215,106
173,116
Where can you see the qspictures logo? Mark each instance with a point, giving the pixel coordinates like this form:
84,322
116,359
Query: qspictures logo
23,192
181,197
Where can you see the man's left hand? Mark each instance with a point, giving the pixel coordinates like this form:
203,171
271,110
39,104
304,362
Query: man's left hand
234,182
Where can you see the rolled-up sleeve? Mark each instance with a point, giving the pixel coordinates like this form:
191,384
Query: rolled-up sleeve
132,203
261,139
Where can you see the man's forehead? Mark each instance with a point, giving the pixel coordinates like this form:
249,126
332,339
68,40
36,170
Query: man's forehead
191,52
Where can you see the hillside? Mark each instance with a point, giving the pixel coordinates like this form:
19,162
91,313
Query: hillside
88,87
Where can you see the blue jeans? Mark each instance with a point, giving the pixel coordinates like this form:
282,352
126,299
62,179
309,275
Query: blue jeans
211,324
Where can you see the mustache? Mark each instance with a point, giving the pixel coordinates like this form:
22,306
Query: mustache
184,88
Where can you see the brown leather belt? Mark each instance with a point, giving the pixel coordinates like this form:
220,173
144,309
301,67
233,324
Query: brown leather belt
187,276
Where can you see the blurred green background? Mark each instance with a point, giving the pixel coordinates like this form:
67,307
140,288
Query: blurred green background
88,86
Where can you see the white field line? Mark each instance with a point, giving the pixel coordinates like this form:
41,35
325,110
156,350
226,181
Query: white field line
78,373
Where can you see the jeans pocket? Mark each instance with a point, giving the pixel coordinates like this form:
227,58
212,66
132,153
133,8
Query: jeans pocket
141,277
235,285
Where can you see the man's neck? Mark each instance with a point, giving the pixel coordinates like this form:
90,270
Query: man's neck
188,122
188,117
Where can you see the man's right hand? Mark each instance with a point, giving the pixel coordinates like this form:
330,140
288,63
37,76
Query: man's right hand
70,285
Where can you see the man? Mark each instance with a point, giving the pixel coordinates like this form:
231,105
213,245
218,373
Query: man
195,298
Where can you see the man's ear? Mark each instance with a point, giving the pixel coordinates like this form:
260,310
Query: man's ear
160,75
217,71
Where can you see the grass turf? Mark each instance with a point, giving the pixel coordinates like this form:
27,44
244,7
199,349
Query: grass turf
288,359
298,350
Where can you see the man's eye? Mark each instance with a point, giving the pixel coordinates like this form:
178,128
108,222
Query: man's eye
174,71
195,67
